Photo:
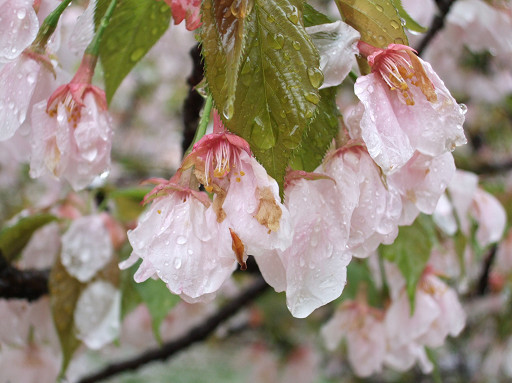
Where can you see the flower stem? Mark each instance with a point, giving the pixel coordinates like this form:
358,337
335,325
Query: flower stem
48,27
203,124
94,46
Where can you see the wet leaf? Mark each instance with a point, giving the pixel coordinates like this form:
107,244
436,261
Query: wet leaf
64,293
411,251
377,21
14,238
318,136
134,28
158,299
314,17
410,23
257,65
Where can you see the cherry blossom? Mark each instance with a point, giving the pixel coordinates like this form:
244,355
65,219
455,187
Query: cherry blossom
245,196
181,242
25,81
18,27
314,266
376,208
72,132
86,247
363,327
97,314
188,10
407,108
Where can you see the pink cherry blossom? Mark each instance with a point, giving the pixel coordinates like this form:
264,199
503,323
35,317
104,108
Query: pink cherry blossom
245,196
315,263
376,208
503,263
490,215
363,327
188,10
25,81
18,27
421,182
72,132
407,108
86,247
181,242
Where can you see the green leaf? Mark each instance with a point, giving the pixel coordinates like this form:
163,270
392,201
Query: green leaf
411,252
134,28
64,293
377,21
14,238
410,23
318,136
128,202
159,300
314,17
257,66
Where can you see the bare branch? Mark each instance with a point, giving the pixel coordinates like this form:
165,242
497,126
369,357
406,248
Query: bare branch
22,284
437,24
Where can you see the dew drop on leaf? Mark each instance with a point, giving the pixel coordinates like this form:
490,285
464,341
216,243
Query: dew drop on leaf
263,137
137,54
316,77
312,98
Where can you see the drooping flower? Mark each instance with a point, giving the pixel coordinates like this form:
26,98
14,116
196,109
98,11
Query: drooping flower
407,108
86,247
180,241
188,10
314,266
376,208
18,27
245,195
363,327
72,132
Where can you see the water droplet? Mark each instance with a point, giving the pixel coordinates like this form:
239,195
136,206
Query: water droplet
228,110
270,18
262,136
181,240
21,13
379,8
177,263
312,97
137,54
296,45
316,77
395,24
247,67
190,251
293,15
60,118
292,139
276,42
31,78
399,40
402,21
282,113
463,108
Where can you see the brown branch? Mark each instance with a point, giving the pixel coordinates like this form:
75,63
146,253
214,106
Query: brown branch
483,281
22,284
436,25
194,101
197,334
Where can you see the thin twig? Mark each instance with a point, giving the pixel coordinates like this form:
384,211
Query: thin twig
22,284
483,281
197,334
437,24
194,101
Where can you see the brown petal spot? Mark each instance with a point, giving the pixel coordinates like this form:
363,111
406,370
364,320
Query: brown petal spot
238,247
422,81
269,213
